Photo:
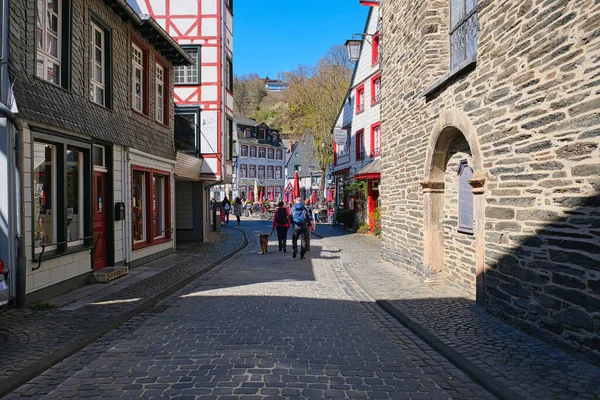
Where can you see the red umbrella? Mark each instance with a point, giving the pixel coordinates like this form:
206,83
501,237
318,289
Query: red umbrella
329,196
251,197
314,197
296,185
272,196
260,197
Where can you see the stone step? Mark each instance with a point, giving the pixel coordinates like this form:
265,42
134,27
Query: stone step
110,273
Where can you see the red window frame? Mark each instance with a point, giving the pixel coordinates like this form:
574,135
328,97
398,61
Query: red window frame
279,155
264,152
334,153
244,147
150,239
375,99
243,175
252,171
375,49
270,172
373,149
255,152
360,106
145,80
278,173
360,138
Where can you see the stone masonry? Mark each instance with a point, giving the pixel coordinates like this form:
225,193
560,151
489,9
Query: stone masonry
527,112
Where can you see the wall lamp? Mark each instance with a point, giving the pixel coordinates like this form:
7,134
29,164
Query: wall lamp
353,45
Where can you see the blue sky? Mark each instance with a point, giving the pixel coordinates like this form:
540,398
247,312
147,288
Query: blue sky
272,36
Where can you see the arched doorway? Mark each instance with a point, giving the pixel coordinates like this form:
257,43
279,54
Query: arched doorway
452,247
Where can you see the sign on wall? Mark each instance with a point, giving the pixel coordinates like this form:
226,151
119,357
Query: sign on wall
340,136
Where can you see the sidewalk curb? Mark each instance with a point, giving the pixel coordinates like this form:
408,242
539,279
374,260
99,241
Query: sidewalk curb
484,379
23,376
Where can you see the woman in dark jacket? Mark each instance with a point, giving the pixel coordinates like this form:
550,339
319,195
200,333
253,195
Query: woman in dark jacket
281,222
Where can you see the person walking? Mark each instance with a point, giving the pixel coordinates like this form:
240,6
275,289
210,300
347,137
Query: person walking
225,208
300,219
237,209
281,222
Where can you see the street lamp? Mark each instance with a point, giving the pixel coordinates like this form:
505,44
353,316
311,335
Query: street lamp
353,48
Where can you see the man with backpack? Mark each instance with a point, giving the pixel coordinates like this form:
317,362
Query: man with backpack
301,221
281,222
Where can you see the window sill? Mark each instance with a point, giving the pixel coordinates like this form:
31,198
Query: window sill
101,106
463,68
162,124
186,84
140,113
143,245
56,85
49,255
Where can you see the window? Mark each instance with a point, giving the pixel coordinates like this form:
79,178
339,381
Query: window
98,65
360,99
279,155
271,154
360,144
229,127
278,193
229,3
59,203
244,150
252,171
375,49
375,139
262,152
252,151
261,134
248,132
463,31
229,75
277,172
297,168
139,88
269,172
465,198
376,89
261,171
51,36
188,134
162,103
151,210
99,156
243,171
188,74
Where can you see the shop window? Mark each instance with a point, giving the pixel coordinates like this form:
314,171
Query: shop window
465,198
279,155
243,171
271,154
376,89
463,31
252,152
244,151
150,207
269,172
360,99
53,39
59,192
375,139
188,74
262,152
252,171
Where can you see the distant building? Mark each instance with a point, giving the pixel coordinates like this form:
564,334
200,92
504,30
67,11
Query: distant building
276,85
303,159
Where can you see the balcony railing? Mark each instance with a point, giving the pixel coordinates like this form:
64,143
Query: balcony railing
376,151
376,99
360,108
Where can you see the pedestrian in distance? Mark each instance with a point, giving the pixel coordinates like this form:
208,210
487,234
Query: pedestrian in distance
281,223
309,208
237,209
225,209
300,219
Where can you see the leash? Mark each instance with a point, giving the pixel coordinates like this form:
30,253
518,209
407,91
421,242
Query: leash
271,234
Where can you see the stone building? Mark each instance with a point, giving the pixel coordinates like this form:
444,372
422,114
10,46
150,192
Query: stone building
93,86
491,159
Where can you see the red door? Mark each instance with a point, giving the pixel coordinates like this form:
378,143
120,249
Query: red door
100,220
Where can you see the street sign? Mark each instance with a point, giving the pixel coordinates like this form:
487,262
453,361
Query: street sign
340,136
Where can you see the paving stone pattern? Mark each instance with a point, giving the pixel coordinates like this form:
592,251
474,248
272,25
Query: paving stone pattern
524,364
260,327
28,337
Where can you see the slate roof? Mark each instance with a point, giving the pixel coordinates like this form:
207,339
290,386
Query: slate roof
373,167
307,156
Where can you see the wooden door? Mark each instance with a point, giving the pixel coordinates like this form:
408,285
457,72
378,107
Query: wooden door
100,220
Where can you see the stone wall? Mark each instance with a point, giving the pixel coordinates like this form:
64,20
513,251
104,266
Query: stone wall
529,110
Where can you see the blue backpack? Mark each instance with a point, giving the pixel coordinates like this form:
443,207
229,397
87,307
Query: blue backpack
300,216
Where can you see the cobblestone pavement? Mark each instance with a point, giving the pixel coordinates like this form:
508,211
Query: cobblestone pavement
260,327
523,364
33,340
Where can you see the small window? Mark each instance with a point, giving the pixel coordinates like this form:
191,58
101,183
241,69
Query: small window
376,139
463,31
99,156
271,154
161,99
247,132
261,134
244,151
376,89
465,198
297,168
188,74
252,152
252,171
279,155
277,172
269,172
229,75
243,171
98,65
360,99
360,145
51,35
261,171
262,152
139,91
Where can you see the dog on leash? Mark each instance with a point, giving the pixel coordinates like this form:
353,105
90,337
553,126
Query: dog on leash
264,243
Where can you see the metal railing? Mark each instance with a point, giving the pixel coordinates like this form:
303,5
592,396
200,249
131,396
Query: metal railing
360,108
43,246
376,99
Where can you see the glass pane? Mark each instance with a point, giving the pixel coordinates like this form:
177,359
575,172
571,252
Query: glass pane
40,14
158,206
98,56
98,38
471,5
52,23
99,156
99,95
53,5
74,194
52,45
43,171
98,74
457,12
53,73
38,39
139,206
39,68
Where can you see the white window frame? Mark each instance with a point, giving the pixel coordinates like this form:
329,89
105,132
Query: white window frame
270,151
53,197
137,64
242,151
143,207
243,171
160,94
255,152
188,74
264,151
277,172
94,83
42,53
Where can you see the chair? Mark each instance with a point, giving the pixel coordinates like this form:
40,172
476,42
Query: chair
323,216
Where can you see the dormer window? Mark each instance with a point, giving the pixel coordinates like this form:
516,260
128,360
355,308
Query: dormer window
262,134
247,132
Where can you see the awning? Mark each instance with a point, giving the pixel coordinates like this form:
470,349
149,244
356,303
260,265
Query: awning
370,171
344,171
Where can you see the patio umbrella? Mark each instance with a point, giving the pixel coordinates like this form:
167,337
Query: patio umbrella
272,196
296,185
260,197
256,189
314,197
329,196
251,197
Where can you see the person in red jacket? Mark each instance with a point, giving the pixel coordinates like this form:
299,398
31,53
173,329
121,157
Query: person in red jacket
281,222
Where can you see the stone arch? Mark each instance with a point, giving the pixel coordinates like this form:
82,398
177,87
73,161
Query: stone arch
451,124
